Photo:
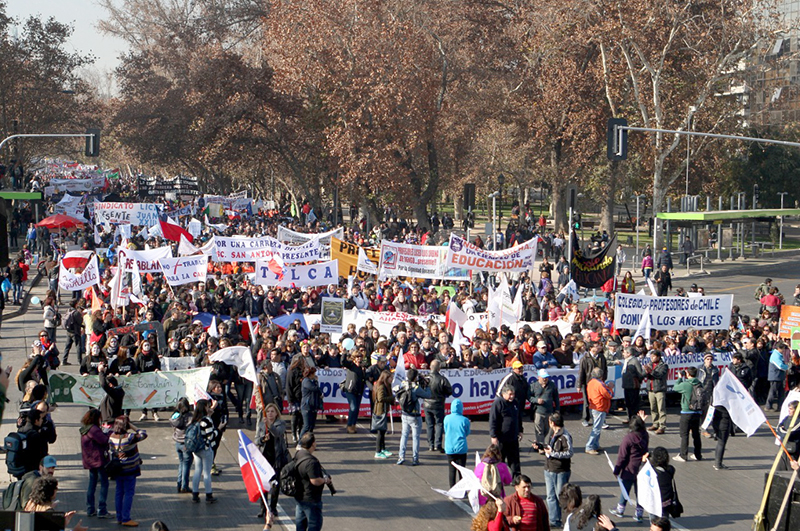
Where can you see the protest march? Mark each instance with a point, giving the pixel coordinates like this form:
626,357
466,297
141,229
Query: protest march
225,311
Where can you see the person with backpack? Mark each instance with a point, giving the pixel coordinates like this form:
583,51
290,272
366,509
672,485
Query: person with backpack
493,473
456,430
308,481
94,446
17,494
32,442
73,324
180,420
200,438
124,445
408,396
692,400
440,388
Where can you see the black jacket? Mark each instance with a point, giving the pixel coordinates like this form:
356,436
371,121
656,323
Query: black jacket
294,386
588,363
440,389
270,385
504,423
37,443
355,378
743,372
111,405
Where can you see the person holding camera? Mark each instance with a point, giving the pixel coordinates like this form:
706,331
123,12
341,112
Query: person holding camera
308,510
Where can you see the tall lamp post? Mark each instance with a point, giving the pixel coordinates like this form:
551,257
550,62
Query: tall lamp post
780,232
692,110
636,258
493,196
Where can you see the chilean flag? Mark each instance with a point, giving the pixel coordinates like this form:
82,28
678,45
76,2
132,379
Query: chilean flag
172,231
256,471
76,259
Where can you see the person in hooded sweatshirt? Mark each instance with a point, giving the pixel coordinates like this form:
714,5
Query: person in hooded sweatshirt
456,431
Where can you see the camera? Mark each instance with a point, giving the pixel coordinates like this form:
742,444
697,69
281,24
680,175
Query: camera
331,488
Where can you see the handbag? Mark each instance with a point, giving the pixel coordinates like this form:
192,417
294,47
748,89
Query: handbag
113,467
379,423
675,509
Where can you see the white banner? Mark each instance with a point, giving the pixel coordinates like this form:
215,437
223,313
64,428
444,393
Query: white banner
71,282
289,236
243,249
418,261
385,321
235,201
185,269
300,276
463,254
146,260
710,312
133,213
70,206
74,185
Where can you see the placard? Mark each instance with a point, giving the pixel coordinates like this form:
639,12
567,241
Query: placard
121,213
790,318
710,312
463,254
418,261
320,274
243,249
332,315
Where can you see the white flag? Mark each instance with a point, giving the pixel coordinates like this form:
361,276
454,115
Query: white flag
212,328
647,491
239,357
455,317
570,291
365,264
186,248
469,485
399,374
643,329
733,396
652,287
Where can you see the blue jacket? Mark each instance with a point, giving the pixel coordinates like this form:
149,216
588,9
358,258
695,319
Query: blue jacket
456,430
777,367
539,359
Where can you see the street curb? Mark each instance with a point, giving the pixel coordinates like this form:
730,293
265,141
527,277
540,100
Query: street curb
727,268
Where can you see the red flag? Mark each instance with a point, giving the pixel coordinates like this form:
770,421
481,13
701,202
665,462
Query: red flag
276,267
173,232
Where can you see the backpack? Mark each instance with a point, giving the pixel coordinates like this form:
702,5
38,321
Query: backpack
69,322
697,399
16,445
490,481
291,483
11,497
406,400
193,438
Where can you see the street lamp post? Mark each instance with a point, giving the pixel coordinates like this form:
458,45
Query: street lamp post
494,195
692,110
636,257
741,204
780,232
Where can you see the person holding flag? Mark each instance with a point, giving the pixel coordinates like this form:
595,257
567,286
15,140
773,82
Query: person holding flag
271,441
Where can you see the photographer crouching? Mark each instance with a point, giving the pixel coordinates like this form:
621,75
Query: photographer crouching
308,512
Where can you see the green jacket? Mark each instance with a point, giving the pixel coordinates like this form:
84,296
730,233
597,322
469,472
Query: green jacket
684,387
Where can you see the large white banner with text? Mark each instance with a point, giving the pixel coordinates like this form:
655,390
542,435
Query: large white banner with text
710,312
121,213
300,276
463,254
243,249
417,261
184,270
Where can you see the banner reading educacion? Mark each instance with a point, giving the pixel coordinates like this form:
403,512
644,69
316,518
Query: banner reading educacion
418,261
710,312
120,213
243,249
463,254
150,389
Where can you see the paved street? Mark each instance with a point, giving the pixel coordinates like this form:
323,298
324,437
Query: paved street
401,497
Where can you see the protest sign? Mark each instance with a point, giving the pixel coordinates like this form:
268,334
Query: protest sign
88,277
133,213
385,321
74,185
795,338
289,236
332,315
149,389
243,249
347,256
185,269
300,276
71,206
463,254
418,261
146,261
177,364
711,312
790,318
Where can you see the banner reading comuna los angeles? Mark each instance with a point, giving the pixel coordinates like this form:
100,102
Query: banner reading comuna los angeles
243,249
710,312
418,261
150,389
465,255
120,213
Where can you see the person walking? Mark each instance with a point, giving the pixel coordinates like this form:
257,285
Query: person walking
544,402
124,443
294,394
504,428
777,374
73,324
94,445
440,388
493,474
308,498
456,430
204,454
52,319
632,374
657,371
312,400
558,454
632,449
708,376
408,397
663,280
271,437
381,409
688,386
593,359
180,420
354,383
599,404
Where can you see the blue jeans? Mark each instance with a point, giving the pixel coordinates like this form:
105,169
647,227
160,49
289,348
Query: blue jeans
555,481
17,292
97,475
629,484
354,403
202,466
185,459
434,422
414,426
308,516
598,419
126,488
309,421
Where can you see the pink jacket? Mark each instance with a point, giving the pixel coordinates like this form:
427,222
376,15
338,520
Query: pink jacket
505,477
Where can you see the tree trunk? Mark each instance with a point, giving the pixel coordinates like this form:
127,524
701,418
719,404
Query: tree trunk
607,204
458,207
421,214
558,208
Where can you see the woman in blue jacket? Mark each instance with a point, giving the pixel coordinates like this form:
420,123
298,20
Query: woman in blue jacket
777,375
456,431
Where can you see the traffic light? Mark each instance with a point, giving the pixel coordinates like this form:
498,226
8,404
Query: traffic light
576,222
617,141
92,142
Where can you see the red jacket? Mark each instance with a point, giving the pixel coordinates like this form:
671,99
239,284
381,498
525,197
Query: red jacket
514,508
409,359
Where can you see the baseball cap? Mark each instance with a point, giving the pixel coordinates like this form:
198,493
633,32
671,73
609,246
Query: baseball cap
516,365
708,355
49,462
541,344
543,373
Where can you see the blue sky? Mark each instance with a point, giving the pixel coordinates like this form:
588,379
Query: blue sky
83,15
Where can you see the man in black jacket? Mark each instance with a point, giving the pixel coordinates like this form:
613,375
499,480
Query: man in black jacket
434,406
38,437
544,402
558,452
657,372
504,428
589,362
663,280
111,405
73,324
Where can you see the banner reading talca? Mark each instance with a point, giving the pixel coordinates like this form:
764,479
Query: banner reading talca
88,277
300,276
120,213
150,389
463,254
710,312
418,261
243,249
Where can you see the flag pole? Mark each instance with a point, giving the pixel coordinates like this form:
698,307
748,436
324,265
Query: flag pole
256,476
758,520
